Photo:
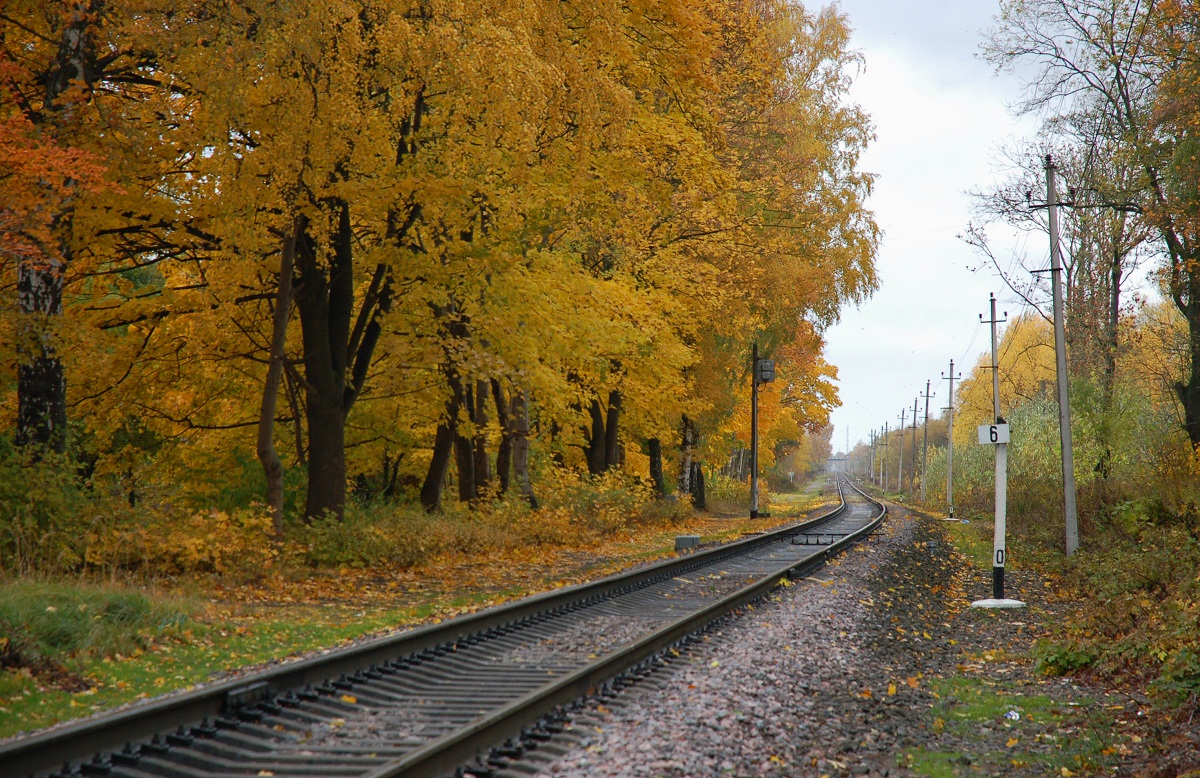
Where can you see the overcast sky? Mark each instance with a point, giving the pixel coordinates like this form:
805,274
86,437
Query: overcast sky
939,113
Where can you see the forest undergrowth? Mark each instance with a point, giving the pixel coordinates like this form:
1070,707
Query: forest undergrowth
1133,588
96,636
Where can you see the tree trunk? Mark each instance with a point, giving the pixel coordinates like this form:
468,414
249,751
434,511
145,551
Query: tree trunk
297,414
520,445
556,454
327,460
596,440
1113,331
336,355
443,445
504,450
391,474
1189,393
267,455
685,459
1108,376
323,303
656,466
698,499
483,466
41,381
612,451
464,449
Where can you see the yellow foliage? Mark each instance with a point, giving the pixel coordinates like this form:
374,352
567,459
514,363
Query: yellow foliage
234,543
569,201
1026,356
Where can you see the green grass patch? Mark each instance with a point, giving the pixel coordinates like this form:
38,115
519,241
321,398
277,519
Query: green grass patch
1046,736
972,701
53,622
936,764
196,655
208,642
973,539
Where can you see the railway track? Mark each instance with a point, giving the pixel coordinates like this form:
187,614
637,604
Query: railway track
428,701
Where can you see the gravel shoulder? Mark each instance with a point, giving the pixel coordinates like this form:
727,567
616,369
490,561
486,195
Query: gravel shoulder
875,666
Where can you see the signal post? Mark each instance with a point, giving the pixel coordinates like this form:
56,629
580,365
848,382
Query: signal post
762,372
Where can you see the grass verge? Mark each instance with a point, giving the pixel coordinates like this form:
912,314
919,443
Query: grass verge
1042,735
228,626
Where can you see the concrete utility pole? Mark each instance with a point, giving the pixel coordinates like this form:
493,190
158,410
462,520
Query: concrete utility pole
950,442
912,479
1060,357
876,468
925,441
885,456
871,462
900,464
880,443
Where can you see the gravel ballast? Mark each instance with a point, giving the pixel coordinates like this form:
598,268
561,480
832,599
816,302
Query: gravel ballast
839,675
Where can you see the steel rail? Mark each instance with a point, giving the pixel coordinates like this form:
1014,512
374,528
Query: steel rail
444,755
42,752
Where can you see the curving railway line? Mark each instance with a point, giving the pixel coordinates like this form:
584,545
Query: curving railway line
429,701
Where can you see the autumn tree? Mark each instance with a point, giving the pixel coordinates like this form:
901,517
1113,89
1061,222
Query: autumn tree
792,150
393,243
1103,237
61,64
1175,204
40,179
1113,59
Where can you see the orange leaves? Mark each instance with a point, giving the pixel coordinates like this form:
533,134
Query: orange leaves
40,177
567,204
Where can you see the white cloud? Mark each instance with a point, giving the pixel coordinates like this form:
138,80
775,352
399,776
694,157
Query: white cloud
935,135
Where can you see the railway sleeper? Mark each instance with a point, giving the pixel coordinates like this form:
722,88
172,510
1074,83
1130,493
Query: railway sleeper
254,719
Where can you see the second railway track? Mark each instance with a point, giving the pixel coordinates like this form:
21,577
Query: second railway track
425,702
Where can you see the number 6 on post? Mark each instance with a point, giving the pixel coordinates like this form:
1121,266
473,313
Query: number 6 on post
991,434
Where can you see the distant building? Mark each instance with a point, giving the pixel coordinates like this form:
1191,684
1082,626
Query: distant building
837,465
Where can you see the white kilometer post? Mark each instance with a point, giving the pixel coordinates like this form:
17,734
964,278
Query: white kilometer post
997,435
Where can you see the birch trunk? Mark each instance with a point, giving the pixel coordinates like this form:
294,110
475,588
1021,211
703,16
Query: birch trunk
685,459
520,445
267,455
